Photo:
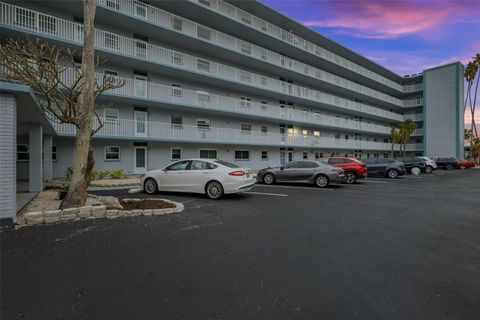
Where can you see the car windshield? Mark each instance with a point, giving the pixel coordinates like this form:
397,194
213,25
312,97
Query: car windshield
227,164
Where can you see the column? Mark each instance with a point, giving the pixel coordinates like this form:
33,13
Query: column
35,173
8,155
47,158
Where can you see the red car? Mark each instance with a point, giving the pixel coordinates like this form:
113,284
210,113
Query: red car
354,169
462,164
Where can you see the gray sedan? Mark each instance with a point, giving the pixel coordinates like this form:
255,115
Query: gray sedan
307,171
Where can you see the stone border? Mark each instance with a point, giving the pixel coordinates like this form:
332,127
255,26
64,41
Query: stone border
93,212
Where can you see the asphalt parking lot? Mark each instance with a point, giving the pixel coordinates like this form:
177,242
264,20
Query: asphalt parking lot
380,249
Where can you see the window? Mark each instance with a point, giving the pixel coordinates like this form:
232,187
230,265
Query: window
178,166
177,58
246,48
307,164
108,73
203,65
305,133
227,164
291,165
246,128
263,81
203,124
346,137
264,130
245,103
208,154
176,154
305,155
204,33
54,153
176,121
112,153
385,155
111,115
242,155
376,155
176,90
264,155
263,54
263,106
177,23
22,152
111,41
203,97
317,155
245,76
291,131
316,134
337,135
201,165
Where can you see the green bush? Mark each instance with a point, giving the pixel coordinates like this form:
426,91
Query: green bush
94,174
103,173
117,174
69,173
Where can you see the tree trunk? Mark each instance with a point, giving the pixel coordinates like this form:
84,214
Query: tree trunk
77,192
90,165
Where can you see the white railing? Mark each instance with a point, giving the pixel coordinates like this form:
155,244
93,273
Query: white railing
418,132
201,99
176,23
111,42
413,87
413,102
414,117
171,132
258,24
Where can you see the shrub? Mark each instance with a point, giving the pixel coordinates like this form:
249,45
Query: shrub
102,173
69,173
117,174
94,174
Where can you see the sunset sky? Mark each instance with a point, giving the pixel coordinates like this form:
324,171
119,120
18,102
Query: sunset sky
405,36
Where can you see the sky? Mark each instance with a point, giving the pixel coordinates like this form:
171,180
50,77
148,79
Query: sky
406,36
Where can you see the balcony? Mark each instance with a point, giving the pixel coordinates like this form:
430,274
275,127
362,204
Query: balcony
263,26
156,131
154,92
49,26
417,132
413,102
164,19
413,88
414,117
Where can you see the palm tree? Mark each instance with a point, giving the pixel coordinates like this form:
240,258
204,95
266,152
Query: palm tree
406,129
396,137
475,150
472,77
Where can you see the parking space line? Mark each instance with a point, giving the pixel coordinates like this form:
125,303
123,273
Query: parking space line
374,181
267,194
292,187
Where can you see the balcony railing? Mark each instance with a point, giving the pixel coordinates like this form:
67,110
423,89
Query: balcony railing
414,117
413,102
122,128
413,87
178,96
164,19
258,24
44,24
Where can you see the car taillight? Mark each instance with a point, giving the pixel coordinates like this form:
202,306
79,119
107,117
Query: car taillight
237,173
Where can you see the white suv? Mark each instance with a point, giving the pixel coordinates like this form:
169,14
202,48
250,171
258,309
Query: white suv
430,164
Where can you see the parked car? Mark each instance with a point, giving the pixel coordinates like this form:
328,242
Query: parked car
430,164
308,171
212,177
354,169
463,164
383,167
414,165
446,163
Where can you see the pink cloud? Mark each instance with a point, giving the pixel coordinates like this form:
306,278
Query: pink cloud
390,19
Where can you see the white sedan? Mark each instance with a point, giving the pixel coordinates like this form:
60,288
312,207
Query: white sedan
212,177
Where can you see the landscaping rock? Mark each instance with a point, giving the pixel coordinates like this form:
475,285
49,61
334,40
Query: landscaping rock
52,219
147,212
84,212
52,213
112,213
68,217
136,212
34,217
108,201
70,211
99,211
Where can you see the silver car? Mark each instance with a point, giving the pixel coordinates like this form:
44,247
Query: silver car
308,171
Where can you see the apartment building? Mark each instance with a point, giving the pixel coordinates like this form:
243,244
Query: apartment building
234,80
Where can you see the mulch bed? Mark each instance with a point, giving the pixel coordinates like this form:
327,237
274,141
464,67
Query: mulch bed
146,204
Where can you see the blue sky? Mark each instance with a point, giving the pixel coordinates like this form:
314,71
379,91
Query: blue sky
405,36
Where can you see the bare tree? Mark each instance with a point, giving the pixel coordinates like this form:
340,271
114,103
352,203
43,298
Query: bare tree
70,100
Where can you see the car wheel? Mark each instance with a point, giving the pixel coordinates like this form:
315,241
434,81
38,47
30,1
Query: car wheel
392,174
321,181
415,171
214,190
428,169
150,186
269,178
449,167
350,177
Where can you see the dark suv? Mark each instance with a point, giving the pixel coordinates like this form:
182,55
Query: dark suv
446,163
382,167
414,165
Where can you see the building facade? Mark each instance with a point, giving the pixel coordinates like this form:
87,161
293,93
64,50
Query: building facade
234,80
